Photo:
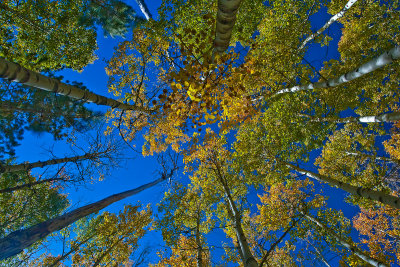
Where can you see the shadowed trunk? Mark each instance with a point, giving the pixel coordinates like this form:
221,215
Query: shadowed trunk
19,240
42,164
226,18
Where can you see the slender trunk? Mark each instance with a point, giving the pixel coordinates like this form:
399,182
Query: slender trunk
42,164
372,65
354,249
265,257
19,240
15,72
29,185
330,21
370,156
226,18
354,190
320,255
145,10
198,242
385,117
248,258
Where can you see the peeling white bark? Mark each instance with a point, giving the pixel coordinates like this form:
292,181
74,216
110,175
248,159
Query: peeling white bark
145,10
330,21
354,190
374,64
385,117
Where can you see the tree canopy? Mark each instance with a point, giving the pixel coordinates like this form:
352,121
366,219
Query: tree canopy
281,116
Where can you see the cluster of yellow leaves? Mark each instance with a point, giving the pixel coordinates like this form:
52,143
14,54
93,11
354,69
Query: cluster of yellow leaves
392,146
184,254
46,35
281,256
342,158
115,237
200,88
282,201
381,228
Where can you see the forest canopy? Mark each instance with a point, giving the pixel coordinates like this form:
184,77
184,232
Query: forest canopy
274,126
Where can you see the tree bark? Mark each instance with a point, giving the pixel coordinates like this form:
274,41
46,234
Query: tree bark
248,258
226,18
15,72
145,10
354,190
320,255
271,249
372,65
330,21
385,117
198,241
19,240
346,244
372,157
42,164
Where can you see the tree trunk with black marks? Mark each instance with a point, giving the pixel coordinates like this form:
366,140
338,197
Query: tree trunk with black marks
15,72
374,64
354,190
226,18
330,21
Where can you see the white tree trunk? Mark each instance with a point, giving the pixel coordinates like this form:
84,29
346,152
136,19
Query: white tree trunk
385,117
248,258
245,252
17,73
354,190
374,64
145,10
330,21
226,18
370,156
388,117
346,244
